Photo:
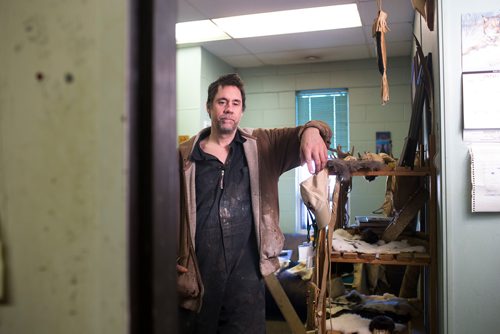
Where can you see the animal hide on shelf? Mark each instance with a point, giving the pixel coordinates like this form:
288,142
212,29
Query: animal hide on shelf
353,311
354,323
343,241
344,168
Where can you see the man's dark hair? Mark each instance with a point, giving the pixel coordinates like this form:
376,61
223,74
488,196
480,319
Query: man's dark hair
232,79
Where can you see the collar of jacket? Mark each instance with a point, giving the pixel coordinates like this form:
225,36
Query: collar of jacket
186,148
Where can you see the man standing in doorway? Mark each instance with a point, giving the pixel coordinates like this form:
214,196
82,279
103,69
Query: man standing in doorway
229,230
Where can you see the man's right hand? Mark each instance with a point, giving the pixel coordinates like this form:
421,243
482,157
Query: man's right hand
313,150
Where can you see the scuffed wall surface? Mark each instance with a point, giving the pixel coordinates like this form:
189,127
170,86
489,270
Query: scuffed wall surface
62,166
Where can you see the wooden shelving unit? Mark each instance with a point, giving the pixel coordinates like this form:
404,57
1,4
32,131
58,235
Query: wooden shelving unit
416,176
426,261
402,259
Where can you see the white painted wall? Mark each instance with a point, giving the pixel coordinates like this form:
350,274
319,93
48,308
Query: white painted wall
470,240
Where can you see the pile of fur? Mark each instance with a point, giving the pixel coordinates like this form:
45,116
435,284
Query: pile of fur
345,168
353,312
343,241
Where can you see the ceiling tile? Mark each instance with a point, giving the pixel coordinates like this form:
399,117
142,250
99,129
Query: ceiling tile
226,47
344,44
318,39
247,60
325,54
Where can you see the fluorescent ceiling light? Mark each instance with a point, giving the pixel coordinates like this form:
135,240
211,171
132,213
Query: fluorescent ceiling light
198,31
291,21
271,23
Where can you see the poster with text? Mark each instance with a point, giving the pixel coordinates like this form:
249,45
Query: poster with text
383,142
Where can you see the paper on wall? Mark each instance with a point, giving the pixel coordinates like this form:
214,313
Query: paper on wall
485,177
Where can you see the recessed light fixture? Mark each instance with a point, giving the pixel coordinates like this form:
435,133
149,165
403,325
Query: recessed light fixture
198,31
274,23
312,58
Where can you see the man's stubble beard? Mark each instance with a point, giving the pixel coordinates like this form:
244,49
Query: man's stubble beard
225,130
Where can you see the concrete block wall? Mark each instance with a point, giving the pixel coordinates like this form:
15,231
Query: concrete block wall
271,103
211,68
196,69
188,90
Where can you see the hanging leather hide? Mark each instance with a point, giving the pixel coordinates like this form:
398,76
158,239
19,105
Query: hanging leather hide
426,9
379,29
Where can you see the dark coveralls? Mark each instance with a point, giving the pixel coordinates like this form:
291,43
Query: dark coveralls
226,246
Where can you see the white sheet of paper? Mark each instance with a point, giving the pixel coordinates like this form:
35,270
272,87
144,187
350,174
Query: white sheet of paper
481,97
481,135
485,177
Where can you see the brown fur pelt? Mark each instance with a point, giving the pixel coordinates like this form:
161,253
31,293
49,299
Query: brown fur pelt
344,168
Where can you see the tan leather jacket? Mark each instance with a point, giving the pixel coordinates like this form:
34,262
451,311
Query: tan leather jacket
270,153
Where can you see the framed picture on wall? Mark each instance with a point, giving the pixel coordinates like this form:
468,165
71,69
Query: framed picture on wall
383,142
481,41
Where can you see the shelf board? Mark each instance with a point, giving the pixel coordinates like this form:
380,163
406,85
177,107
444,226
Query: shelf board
403,259
399,171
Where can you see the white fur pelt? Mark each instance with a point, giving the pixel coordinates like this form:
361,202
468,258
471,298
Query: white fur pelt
353,323
349,323
343,241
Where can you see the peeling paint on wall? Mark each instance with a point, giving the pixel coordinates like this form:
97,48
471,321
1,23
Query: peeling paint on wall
61,166
35,29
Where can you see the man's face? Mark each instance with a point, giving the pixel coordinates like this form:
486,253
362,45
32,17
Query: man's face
226,109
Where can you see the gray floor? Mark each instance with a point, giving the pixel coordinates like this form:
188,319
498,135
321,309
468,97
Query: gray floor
277,327
281,327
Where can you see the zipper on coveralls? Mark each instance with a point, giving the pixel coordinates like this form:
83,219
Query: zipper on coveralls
222,178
